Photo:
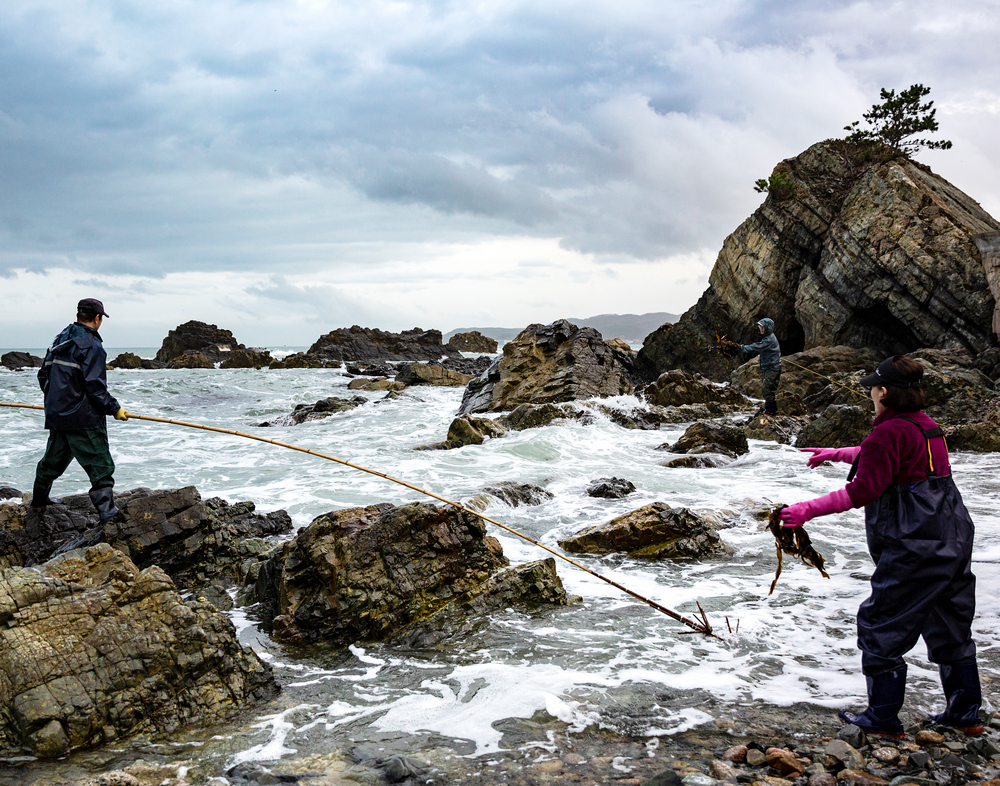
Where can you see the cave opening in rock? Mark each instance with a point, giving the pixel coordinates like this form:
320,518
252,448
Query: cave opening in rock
792,338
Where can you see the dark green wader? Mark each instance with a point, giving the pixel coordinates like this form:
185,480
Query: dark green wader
91,450
769,389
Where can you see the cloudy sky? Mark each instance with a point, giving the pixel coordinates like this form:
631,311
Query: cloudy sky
285,167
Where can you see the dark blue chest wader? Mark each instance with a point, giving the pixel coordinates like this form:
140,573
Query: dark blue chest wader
920,538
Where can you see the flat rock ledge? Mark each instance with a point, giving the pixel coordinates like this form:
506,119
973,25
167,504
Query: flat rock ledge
382,572
653,531
93,649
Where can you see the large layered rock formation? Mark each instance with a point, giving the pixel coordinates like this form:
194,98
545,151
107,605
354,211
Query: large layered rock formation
879,254
473,341
92,649
367,574
548,364
199,345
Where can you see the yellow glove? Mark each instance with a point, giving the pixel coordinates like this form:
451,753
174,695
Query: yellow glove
121,414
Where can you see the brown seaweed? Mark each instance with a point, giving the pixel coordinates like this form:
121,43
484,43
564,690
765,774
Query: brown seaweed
724,346
794,541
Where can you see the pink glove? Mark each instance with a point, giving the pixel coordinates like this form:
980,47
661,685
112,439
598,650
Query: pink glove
819,455
835,502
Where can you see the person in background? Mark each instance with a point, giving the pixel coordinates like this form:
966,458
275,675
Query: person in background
920,538
73,378
770,364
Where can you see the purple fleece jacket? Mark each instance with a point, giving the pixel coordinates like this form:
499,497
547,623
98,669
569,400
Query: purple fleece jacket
895,453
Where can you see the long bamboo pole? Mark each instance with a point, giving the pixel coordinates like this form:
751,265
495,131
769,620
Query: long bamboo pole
699,626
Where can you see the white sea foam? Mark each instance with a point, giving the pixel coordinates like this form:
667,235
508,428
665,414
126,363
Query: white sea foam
793,646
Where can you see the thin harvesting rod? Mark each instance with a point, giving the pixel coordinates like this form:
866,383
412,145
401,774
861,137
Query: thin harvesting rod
700,626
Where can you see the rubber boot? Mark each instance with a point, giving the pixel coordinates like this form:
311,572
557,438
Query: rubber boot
104,501
40,496
770,407
885,698
961,690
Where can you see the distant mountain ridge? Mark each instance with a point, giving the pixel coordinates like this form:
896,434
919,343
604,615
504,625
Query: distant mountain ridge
631,328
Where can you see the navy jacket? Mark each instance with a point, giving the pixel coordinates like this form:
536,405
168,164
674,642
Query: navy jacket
768,347
74,379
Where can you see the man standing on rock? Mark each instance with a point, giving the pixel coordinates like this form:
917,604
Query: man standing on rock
73,378
770,364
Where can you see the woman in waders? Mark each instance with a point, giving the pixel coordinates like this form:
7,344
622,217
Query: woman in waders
920,538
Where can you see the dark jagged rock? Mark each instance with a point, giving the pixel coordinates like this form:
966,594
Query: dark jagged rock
510,493
16,361
302,360
200,338
92,650
304,413
126,360
548,364
9,492
195,541
710,436
878,254
468,430
838,427
635,418
471,366
697,461
981,437
610,488
473,341
370,370
373,345
431,374
367,574
655,530
774,428
192,359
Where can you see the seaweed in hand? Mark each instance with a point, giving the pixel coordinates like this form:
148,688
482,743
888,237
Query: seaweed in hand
794,541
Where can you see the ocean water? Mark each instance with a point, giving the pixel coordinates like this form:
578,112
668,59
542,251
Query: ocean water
797,645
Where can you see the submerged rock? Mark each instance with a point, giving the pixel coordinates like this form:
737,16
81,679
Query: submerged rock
93,649
510,493
655,530
548,364
711,436
304,413
610,488
368,574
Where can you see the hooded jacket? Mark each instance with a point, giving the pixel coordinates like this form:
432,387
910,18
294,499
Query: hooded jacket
768,347
74,381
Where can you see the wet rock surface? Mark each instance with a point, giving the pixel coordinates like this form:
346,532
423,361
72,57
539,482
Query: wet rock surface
193,540
548,364
510,493
430,374
194,342
304,413
92,649
655,530
129,360
368,574
674,388
839,426
610,488
711,436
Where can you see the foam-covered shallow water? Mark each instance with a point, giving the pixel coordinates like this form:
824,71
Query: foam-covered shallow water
572,663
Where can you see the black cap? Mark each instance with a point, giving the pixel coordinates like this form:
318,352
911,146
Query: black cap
886,374
91,305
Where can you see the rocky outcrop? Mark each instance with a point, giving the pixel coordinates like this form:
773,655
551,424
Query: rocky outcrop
93,649
430,374
711,436
783,429
980,437
129,360
837,427
878,254
676,388
548,364
610,488
473,341
802,375
197,338
304,413
368,574
377,383
655,530
16,361
371,344
511,494
247,358
194,540
302,360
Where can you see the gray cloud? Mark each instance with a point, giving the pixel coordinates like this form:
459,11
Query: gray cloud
146,140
